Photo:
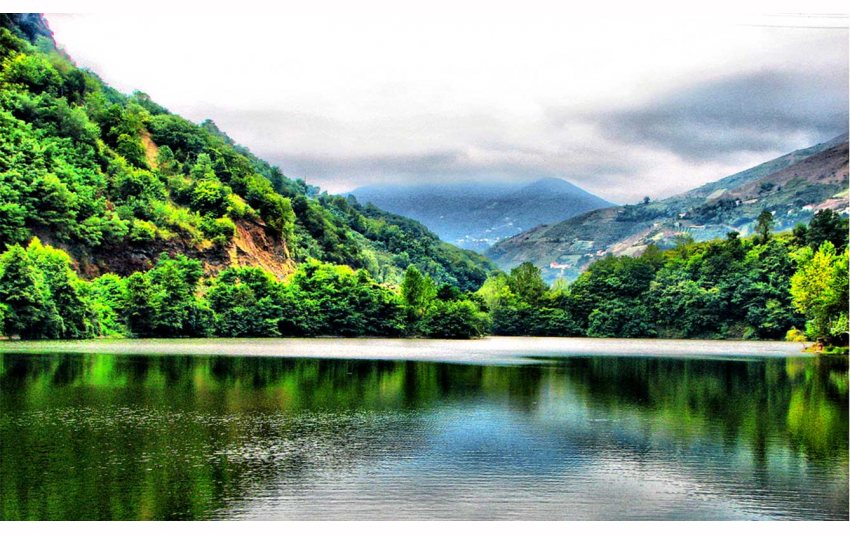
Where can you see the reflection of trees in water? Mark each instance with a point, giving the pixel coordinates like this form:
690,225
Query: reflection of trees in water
773,429
105,436
800,402
178,437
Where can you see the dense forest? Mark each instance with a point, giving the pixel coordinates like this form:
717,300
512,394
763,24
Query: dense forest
119,218
766,287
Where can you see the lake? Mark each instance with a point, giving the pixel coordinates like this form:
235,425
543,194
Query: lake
516,428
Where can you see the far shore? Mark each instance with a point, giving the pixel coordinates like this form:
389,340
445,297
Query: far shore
494,349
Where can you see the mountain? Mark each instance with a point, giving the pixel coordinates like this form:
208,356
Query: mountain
115,180
476,215
792,187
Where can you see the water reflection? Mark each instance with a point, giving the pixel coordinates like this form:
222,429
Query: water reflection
106,436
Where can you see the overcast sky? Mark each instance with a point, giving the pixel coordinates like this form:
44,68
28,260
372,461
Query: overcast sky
622,107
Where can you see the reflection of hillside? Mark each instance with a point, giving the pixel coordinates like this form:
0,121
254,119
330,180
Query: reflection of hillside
105,436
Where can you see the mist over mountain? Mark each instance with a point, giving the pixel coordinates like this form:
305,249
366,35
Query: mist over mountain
476,215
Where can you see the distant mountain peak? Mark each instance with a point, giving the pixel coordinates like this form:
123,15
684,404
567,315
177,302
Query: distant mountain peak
475,215
552,184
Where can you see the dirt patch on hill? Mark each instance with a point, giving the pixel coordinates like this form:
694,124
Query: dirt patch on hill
151,150
252,246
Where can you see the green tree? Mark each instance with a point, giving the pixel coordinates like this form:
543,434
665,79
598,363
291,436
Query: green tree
43,296
163,301
131,148
495,292
23,294
826,225
109,299
138,310
210,197
345,302
764,224
621,320
72,313
203,168
418,292
455,320
526,282
819,290
247,302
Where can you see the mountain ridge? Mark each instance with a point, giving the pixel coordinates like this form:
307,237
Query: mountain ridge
792,187
477,214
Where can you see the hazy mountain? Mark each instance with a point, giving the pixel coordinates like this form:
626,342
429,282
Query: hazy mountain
793,187
476,215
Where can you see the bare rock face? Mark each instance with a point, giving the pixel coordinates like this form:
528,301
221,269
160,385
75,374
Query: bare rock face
32,25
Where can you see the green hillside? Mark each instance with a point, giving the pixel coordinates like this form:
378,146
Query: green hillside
118,218
116,180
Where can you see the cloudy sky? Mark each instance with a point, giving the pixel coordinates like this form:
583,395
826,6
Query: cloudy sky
624,107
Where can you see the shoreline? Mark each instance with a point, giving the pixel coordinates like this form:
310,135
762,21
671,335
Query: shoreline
493,349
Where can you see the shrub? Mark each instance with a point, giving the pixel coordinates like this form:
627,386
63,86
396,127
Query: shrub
220,230
142,231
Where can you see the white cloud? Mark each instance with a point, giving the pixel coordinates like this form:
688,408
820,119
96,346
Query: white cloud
352,97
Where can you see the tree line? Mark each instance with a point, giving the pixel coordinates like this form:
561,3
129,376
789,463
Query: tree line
42,297
765,287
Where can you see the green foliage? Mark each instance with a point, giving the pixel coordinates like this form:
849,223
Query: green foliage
220,230
33,72
131,148
22,291
764,224
730,288
163,302
826,225
520,305
619,319
345,302
526,282
455,320
820,291
246,302
137,190
142,231
275,209
442,312
108,295
418,292
42,296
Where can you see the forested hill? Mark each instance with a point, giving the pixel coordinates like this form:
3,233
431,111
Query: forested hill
792,188
115,180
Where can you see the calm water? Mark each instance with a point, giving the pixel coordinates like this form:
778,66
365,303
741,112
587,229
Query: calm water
108,436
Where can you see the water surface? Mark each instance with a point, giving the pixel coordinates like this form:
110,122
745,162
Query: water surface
122,436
